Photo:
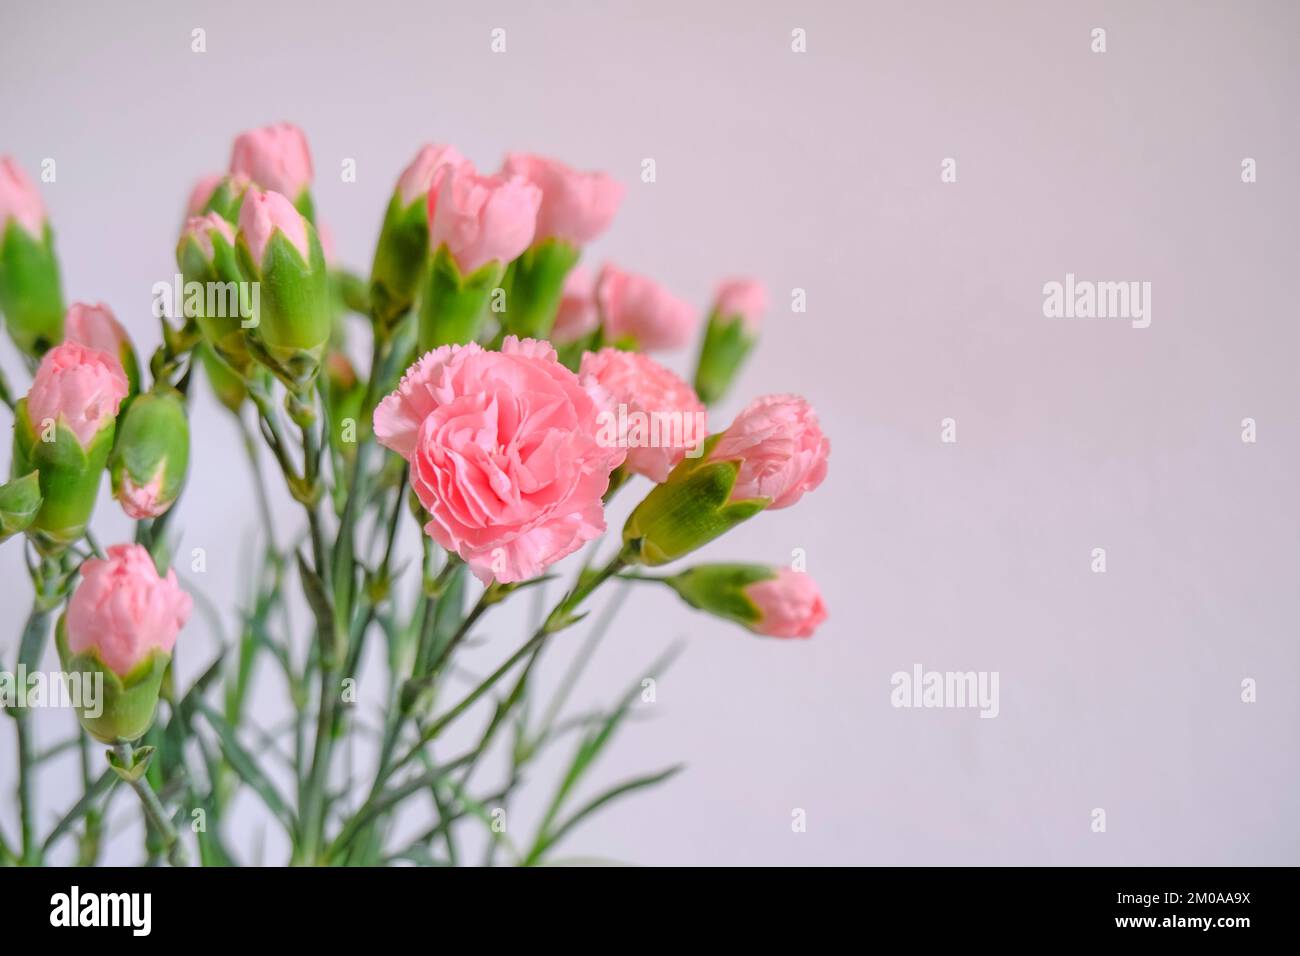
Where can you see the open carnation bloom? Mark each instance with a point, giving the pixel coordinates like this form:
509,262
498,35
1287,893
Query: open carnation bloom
781,449
504,454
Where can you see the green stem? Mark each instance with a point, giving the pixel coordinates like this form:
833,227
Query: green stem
153,808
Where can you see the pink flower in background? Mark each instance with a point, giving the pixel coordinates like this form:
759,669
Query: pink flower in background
577,316
265,212
275,157
81,386
19,199
781,449
200,229
482,219
743,297
124,610
95,327
665,416
425,173
789,605
634,307
201,193
504,454
576,206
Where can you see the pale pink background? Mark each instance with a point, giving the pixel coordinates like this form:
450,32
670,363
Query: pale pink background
821,171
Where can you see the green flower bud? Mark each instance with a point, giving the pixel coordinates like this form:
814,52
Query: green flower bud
401,256
688,510
151,454
279,249
534,286
126,705
30,295
226,198
729,337
20,500
221,299
720,589
453,306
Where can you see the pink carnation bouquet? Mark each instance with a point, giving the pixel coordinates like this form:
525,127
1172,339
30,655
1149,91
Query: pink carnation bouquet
450,430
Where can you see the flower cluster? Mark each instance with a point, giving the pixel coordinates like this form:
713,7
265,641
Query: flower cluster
515,387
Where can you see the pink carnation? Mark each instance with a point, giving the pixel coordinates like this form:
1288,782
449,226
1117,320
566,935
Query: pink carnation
201,228
201,193
80,386
482,219
577,316
781,449
95,327
659,415
425,173
275,157
504,454
634,307
19,199
576,206
789,605
262,214
124,610
742,297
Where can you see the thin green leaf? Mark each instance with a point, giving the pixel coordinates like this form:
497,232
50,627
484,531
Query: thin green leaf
246,768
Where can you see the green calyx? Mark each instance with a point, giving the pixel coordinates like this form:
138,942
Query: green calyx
115,707
688,510
216,296
534,286
727,343
153,442
31,298
453,307
69,476
291,322
720,589
227,198
400,259
20,500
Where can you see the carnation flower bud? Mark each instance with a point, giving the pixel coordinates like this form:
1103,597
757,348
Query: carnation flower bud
121,624
731,332
95,327
402,253
279,249
276,158
150,454
780,449
477,225
576,207
64,430
639,313
30,296
775,602
20,500
206,256
223,195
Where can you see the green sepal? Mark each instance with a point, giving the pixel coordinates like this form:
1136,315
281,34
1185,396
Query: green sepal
141,757
534,286
400,259
20,500
30,295
69,477
727,343
688,510
227,384
452,307
153,437
720,589
222,276
129,702
292,324
226,199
